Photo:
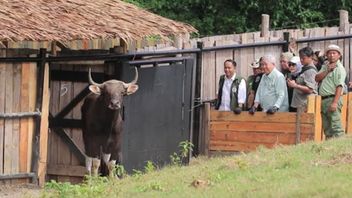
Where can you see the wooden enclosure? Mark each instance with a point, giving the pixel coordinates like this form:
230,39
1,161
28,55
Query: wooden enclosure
227,131
213,61
18,95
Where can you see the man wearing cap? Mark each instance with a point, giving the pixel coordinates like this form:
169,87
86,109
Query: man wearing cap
253,82
284,59
272,91
332,77
232,89
305,84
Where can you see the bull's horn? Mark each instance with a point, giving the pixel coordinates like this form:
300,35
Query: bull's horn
134,81
91,79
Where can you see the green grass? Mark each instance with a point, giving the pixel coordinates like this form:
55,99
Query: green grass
306,170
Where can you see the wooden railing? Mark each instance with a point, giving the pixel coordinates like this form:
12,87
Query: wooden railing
226,131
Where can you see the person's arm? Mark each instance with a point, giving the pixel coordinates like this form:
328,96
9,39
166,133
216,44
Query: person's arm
303,88
325,70
321,75
242,93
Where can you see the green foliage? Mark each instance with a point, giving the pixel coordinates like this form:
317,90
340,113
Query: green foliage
185,148
119,170
228,16
149,167
91,187
306,170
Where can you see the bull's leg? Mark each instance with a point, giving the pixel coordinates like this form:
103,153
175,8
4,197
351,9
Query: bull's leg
95,166
111,166
89,165
106,158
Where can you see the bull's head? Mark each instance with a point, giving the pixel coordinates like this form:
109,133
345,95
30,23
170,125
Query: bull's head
112,91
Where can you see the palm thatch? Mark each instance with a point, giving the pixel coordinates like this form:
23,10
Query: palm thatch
64,20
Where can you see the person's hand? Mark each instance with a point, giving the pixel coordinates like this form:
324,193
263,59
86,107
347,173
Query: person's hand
291,83
252,110
272,110
333,107
331,66
350,84
237,110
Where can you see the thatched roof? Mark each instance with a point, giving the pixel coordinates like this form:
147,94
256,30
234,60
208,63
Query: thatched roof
63,20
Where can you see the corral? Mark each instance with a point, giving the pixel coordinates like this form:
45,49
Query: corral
43,80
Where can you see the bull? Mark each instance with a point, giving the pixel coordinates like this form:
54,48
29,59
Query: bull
102,123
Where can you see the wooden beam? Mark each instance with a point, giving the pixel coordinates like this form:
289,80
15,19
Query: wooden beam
349,114
279,117
44,128
318,132
66,170
71,144
73,103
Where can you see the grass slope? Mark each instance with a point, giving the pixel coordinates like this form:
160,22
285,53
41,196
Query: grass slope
305,170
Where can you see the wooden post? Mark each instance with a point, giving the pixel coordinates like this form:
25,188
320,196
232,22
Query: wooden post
204,132
344,23
44,127
311,104
265,26
349,114
344,111
317,120
298,124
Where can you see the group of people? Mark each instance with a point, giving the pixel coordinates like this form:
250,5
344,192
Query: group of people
270,90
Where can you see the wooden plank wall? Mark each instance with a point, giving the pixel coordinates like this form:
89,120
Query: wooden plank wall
17,94
213,61
245,132
60,157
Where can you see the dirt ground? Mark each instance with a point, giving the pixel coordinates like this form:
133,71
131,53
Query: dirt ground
19,191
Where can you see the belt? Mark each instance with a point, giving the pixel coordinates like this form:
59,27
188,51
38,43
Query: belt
326,97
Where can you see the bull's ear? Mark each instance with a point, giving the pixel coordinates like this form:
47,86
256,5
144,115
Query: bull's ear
95,89
131,89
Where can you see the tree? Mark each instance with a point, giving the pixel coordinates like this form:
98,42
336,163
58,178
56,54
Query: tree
213,17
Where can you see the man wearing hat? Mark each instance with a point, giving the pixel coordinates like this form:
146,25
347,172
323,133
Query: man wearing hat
332,77
304,84
284,61
232,89
253,82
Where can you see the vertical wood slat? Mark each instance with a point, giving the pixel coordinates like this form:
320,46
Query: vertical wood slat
318,132
23,142
16,122
32,103
64,153
208,73
2,109
344,111
44,127
349,114
8,147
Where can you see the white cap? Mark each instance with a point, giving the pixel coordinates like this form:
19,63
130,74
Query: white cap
333,47
255,64
296,60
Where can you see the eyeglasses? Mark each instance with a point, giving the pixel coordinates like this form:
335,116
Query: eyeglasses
292,65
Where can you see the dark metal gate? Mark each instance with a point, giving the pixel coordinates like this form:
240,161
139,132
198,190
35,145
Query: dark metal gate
158,116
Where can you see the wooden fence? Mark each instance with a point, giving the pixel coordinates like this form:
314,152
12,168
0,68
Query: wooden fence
18,85
212,61
227,131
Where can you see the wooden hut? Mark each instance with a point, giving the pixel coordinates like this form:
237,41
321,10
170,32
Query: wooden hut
28,150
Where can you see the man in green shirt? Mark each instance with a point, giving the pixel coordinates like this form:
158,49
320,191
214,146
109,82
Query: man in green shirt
332,77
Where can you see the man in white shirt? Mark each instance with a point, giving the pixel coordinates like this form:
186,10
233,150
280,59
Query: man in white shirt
232,89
